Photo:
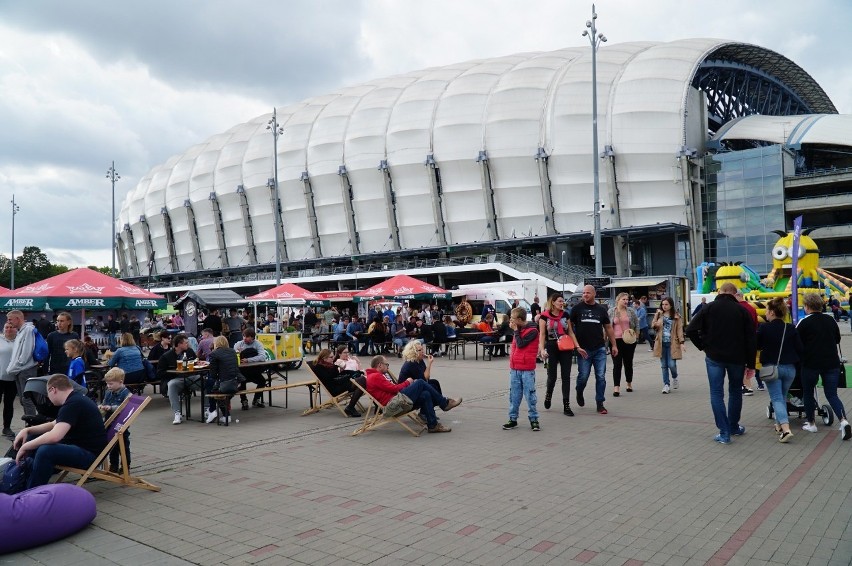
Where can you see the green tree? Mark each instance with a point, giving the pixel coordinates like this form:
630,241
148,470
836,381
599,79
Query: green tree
5,271
31,266
106,270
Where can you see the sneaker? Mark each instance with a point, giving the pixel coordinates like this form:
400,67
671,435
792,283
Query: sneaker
440,428
510,425
245,405
666,389
259,404
535,426
451,404
796,402
722,439
8,433
601,409
212,416
739,431
675,383
845,430
747,392
810,427
761,387
567,411
178,418
224,420
352,412
785,437
547,402
580,400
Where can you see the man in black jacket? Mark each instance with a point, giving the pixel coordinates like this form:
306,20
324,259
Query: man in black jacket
176,384
724,330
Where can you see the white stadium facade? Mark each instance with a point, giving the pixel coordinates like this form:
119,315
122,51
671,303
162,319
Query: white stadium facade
487,158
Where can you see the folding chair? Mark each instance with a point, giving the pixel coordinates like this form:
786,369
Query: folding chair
337,401
374,417
115,426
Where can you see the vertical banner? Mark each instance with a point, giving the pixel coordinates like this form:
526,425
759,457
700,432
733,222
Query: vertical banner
794,269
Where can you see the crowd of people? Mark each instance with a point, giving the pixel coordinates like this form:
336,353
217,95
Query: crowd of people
724,329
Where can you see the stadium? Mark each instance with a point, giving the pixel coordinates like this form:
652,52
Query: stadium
485,168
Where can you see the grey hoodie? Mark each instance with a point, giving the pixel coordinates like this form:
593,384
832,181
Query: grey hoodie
22,352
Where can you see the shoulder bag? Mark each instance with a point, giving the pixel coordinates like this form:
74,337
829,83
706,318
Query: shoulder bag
398,405
629,336
769,372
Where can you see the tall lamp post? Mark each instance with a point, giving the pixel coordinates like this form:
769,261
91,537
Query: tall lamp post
276,131
595,39
15,209
113,177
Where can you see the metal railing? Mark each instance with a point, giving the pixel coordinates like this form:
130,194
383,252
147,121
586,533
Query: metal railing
528,264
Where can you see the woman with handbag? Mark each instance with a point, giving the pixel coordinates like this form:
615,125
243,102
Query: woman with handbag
556,347
780,347
625,325
669,343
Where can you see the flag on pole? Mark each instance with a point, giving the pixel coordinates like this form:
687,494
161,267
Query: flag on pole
794,269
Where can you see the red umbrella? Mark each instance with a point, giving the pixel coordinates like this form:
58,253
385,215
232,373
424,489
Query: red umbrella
403,287
3,290
81,288
289,294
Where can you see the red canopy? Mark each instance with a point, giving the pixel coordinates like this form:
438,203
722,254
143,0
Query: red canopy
403,287
3,290
81,288
289,293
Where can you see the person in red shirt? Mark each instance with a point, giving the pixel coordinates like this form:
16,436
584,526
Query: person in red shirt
383,388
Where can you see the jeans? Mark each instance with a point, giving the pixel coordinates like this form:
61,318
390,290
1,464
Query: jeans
726,421
667,364
829,386
425,398
562,358
522,384
48,456
584,367
778,389
623,359
179,385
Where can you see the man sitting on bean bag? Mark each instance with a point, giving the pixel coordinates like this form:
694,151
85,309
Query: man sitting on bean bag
74,439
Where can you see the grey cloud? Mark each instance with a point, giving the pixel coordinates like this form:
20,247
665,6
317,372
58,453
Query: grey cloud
279,51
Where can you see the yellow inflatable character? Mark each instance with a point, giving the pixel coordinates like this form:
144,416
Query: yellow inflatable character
782,259
731,273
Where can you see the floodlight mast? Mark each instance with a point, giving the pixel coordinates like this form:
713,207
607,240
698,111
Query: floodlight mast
595,39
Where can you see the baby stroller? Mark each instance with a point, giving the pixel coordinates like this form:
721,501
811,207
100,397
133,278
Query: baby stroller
36,391
796,405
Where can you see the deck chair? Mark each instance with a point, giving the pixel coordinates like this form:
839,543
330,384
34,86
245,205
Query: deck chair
336,401
374,417
115,426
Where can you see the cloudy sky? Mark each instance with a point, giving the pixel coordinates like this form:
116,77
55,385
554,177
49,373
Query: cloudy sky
87,82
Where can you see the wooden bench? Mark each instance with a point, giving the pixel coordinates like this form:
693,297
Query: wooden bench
222,399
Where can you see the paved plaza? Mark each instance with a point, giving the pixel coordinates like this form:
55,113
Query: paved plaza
644,484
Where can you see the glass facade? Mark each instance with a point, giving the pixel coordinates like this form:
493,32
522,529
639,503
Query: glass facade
742,201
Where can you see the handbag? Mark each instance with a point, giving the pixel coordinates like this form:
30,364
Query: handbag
629,336
565,342
398,405
769,372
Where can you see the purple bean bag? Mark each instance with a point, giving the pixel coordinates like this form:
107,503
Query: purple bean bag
43,514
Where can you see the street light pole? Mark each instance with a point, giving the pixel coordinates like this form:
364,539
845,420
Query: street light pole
15,209
595,39
276,131
113,177
563,272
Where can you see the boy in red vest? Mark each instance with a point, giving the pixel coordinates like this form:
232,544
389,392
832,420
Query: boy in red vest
522,368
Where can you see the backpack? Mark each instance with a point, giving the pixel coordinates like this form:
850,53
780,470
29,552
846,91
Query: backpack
15,477
40,349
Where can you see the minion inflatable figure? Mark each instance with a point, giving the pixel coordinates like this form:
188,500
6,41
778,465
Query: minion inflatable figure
782,261
732,272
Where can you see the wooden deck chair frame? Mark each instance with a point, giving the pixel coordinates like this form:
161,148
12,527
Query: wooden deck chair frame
336,401
116,424
374,417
